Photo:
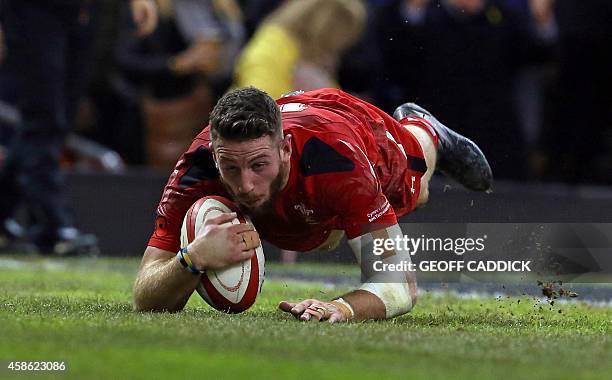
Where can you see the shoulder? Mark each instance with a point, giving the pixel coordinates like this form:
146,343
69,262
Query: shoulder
197,163
200,148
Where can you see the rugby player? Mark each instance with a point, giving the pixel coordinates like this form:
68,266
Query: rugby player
308,169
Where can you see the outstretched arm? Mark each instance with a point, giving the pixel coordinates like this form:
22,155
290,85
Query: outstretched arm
383,295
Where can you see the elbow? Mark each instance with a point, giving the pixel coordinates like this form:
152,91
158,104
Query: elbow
411,281
140,304
401,307
413,292
143,308
146,301
399,298
144,304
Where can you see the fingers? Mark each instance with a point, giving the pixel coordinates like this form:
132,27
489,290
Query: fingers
246,255
311,315
228,217
238,257
225,217
251,239
293,308
298,309
316,311
240,228
286,306
312,310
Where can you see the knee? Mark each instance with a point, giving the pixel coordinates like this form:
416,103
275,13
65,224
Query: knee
423,196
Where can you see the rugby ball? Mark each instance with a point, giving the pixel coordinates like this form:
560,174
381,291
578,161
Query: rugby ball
235,288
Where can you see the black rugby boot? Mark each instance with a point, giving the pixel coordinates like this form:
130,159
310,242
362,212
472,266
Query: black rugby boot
458,157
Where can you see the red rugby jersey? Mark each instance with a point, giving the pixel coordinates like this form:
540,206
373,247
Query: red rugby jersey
353,168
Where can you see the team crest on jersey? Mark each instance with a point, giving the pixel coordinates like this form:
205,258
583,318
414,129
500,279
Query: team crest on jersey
293,107
306,213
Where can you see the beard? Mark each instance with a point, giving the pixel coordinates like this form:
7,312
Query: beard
267,207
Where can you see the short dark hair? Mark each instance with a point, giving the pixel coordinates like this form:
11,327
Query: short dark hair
244,114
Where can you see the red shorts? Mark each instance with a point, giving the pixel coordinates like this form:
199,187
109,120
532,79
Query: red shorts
402,152
399,160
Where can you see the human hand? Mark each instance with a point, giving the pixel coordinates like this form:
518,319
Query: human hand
144,14
220,243
202,56
542,11
315,310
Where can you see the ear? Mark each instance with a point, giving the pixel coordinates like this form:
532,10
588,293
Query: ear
285,148
214,155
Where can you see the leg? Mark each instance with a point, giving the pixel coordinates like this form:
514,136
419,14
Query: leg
12,234
430,152
37,37
458,156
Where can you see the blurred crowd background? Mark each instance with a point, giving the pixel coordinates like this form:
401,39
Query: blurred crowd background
529,80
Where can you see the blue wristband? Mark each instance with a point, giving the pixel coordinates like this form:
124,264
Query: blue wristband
185,260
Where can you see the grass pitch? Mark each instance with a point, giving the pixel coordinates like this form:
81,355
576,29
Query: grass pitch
79,311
